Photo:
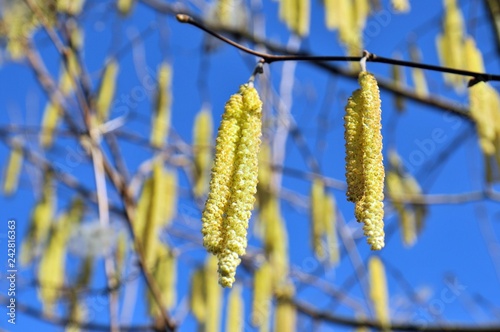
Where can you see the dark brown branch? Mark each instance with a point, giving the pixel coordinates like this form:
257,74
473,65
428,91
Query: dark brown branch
269,58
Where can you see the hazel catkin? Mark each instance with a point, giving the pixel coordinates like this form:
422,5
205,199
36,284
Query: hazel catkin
234,182
364,166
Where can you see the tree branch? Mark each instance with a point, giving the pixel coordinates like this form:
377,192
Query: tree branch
325,316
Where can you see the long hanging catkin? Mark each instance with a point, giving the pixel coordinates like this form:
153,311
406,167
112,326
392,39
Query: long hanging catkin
234,181
364,167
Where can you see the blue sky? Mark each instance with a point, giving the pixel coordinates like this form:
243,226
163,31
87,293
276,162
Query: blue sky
457,239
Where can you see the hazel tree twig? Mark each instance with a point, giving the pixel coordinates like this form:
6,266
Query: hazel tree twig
270,58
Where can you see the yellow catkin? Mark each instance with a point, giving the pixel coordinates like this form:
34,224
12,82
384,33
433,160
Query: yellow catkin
144,201
234,182
401,184
335,11
214,296
222,172
53,111
324,237
165,273
401,6
264,186
378,290
154,220
243,186
353,147
473,56
364,166
198,296
51,117
450,42
51,270
406,216
399,81
76,37
285,316
275,238
73,216
480,108
419,82
51,273
372,207
235,316
412,187
160,121
13,170
202,151
125,6
106,91
170,197
70,73
53,258
418,74
330,229
296,15
318,217
304,17
265,168
41,220
262,296
349,18
21,22
481,101
71,7
361,10
224,10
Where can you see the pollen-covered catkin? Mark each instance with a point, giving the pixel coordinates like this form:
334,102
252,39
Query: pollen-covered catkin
378,290
160,120
106,90
364,167
354,152
235,310
243,187
13,169
222,171
371,212
450,42
234,181
202,136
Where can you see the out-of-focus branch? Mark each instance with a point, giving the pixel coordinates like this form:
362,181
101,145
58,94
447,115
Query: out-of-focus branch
326,316
30,311
52,91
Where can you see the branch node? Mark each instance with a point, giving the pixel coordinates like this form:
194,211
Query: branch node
475,80
183,18
259,69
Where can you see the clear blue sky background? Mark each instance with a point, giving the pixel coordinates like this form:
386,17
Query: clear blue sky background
451,243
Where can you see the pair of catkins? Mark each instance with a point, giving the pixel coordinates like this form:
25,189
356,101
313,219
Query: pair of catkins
233,181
